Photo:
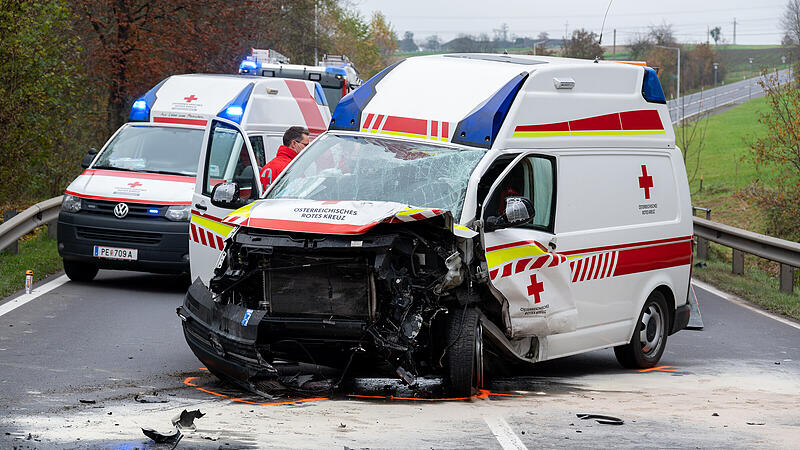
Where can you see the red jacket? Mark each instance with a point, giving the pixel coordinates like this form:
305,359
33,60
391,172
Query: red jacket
276,165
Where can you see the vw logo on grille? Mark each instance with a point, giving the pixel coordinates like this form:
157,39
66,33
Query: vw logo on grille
121,210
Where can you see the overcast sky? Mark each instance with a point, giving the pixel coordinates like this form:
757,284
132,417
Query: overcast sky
757,22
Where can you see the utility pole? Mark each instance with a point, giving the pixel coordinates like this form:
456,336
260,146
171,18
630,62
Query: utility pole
708,34
614,47
316,60
734,31
566,26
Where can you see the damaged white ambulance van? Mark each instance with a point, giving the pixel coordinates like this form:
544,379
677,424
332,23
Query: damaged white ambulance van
130,209
462,210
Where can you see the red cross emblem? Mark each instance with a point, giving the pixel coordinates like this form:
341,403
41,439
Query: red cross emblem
134,184
190,98
645,182
535,289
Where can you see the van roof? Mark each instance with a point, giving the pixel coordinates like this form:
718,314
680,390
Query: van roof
512,101
266,104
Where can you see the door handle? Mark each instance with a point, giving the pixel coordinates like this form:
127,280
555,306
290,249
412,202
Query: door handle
200,207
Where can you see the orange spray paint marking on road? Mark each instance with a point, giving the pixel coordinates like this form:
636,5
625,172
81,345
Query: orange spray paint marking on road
188,382
661,369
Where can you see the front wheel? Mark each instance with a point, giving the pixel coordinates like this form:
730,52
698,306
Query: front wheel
464,357
649,337
80,271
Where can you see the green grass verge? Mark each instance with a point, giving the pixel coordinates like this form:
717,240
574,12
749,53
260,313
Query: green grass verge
38,252
756,285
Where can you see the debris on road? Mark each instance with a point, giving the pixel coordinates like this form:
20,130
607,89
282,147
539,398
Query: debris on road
715,415
606,420
185,420
88,402
150,398
756,423
163,438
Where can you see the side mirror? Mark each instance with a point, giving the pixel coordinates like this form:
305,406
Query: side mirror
87,160
519,210
226,195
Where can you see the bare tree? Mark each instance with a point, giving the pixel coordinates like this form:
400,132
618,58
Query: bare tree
791,21
640,44
582,44
716,34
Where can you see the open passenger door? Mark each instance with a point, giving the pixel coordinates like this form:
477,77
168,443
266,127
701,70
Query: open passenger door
227,157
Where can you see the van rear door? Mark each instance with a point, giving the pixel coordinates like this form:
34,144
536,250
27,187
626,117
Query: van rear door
227,156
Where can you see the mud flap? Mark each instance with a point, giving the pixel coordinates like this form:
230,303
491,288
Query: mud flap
695,317
538,301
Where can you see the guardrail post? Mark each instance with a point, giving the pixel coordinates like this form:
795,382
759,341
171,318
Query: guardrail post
7,215
738,262
787,278
52,229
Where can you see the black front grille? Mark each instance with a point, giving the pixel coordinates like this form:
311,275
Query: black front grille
134,209
106,234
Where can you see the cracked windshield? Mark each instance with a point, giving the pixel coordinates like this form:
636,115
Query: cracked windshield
374,169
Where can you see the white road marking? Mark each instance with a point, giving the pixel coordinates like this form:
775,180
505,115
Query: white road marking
504,434
25,298
736,300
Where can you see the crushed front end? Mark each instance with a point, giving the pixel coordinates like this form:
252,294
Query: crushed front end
336,301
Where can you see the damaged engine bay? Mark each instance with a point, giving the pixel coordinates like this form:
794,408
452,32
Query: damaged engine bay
376,303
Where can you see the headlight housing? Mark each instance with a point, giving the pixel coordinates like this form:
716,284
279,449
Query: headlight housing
71,203
179,213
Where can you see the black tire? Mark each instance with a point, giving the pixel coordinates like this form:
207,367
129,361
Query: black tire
464,357
80,271
650,336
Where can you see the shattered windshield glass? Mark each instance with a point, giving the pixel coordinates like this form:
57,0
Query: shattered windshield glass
379,169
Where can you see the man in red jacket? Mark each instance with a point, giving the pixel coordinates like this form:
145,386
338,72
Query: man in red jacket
294,140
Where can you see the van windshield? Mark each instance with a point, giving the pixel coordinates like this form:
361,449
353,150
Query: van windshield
378,169
141,148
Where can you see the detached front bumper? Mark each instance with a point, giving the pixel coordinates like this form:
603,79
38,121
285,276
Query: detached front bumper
238,343
223,337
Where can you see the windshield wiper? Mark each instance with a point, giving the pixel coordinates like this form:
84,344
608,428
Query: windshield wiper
124,169
167,172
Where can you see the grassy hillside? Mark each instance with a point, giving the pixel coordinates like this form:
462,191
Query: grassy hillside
725,167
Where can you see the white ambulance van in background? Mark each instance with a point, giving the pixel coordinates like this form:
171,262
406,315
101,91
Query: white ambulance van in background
462,209
130,209
335,73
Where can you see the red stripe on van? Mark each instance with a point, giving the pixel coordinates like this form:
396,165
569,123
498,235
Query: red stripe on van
434,128
220,244
406,125
620,246
202,234
445,129
558,126
604,122
647,119
125,200
194,232
367,122
308,106
309,227
139,175
521,264
652,258
180,121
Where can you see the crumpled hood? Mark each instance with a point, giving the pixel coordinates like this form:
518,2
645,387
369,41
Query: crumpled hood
133,187
332,217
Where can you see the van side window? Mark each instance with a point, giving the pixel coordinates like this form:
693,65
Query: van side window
534,178
257,142
228,161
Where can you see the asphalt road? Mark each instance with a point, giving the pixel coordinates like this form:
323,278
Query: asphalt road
707,100
118,336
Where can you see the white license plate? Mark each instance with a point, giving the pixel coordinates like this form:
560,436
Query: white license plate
130,254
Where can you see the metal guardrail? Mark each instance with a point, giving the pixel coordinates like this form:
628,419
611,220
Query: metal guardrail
26,221
787,253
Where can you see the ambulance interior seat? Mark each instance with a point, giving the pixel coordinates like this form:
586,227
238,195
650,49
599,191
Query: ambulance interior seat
485,183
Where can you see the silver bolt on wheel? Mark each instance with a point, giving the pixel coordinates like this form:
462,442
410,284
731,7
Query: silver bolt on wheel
651,329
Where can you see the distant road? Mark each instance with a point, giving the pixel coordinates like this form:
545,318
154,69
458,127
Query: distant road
706,100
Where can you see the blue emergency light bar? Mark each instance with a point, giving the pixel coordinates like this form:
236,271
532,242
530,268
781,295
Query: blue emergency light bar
651,87
480,127
249,66
234,111
140,111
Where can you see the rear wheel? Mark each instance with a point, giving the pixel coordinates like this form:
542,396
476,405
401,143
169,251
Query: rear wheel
464,357
650,336
80,271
